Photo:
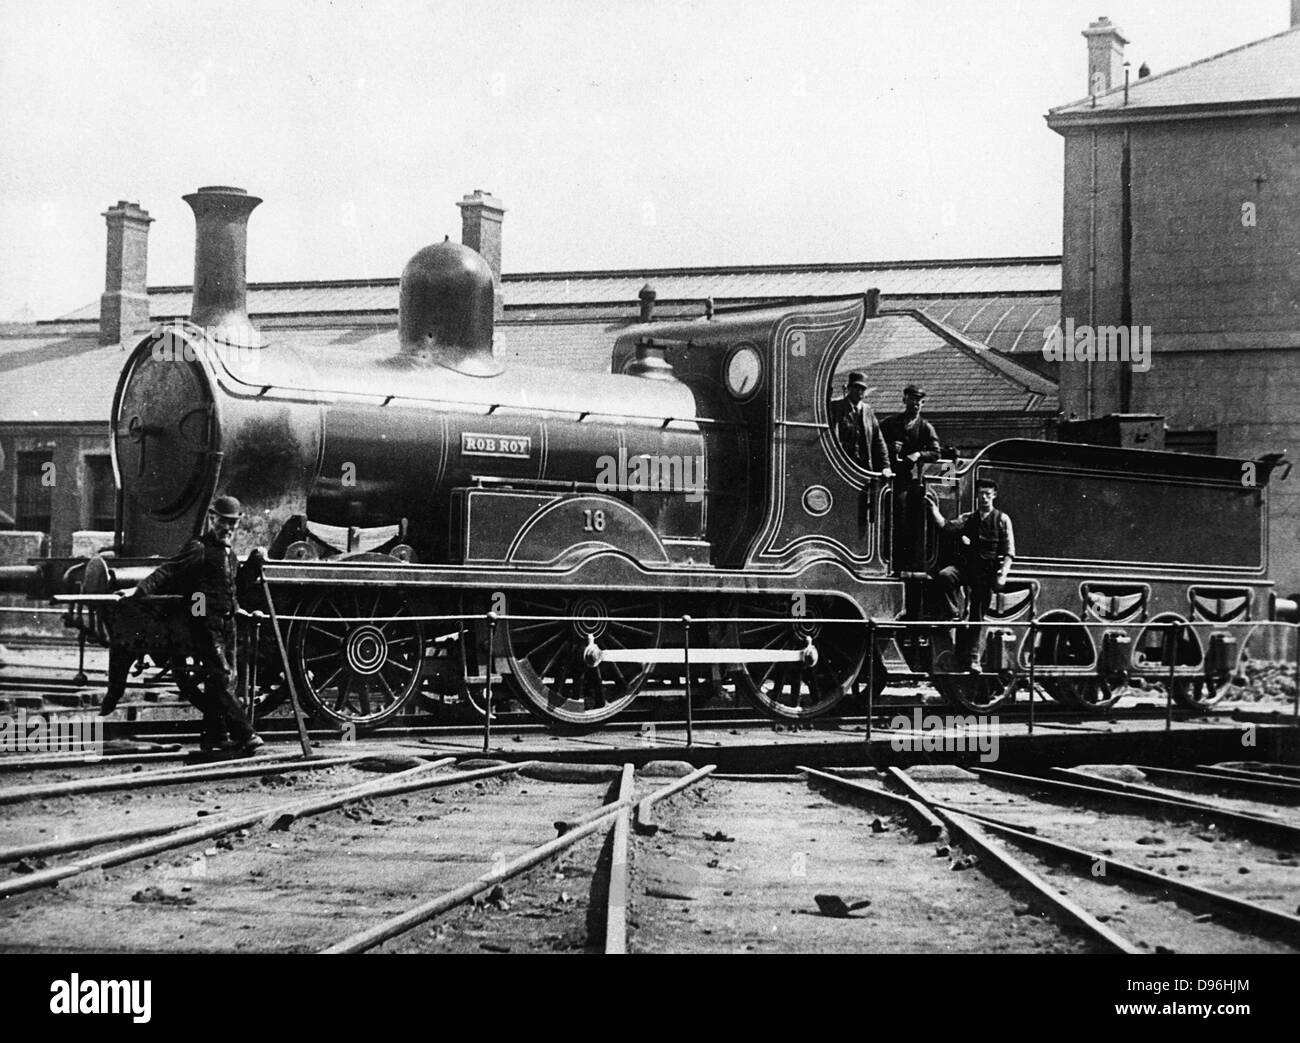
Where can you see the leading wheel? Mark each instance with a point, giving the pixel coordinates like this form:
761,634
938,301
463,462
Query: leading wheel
795,690
546,636
359,661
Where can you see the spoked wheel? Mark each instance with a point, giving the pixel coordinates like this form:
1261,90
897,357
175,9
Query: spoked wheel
1083,693
545,654
795,690
272,690
975,693
1063,640
360,667
1201,693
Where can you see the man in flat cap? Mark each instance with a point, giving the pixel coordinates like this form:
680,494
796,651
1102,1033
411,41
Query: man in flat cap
855,427
204,573
988,547
912,443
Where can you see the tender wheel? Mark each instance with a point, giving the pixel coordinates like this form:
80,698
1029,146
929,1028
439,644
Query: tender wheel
548,672
1083,693
1201,693
975,693
796,691
354,671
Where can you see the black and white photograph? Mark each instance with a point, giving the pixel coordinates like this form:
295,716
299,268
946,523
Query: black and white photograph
650,477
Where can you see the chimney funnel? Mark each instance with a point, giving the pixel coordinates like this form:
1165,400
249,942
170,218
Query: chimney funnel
480,230
647,297
1105,56
124,305
220,263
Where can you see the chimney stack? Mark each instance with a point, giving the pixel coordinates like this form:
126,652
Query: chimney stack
1105,56
647,297
220,263
480,230
1295,13
124,305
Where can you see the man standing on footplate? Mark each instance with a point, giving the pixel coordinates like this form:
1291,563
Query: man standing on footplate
912,443
988,546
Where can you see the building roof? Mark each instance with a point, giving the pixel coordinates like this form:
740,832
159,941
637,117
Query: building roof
68,377
57,376
1005,303
998,275
1264,74
959,375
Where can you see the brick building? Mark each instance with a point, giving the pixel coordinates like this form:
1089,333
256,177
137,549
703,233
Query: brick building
1182,214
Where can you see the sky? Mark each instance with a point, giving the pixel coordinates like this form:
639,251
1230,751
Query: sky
618,134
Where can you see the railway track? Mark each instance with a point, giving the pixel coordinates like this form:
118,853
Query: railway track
154,711
326,856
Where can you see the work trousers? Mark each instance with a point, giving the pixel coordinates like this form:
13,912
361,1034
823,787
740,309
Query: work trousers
979,580
908,526
215,638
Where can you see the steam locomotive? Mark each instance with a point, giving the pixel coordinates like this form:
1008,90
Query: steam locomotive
432,518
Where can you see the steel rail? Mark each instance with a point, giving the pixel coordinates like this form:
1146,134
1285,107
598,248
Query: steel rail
279,764
1242,773
59,847
1066,908
1146,797
228,824
932,827
408,781
616,892
968,827
1248,818
1288,924
1252,788
400,924
79,760
1284,923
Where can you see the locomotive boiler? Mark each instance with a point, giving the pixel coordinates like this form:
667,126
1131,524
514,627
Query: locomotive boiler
431,516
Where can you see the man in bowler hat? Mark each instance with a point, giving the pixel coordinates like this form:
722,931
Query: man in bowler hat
204,573
856,429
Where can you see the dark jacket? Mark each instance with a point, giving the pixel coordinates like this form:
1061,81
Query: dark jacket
859,434
904,437
204,566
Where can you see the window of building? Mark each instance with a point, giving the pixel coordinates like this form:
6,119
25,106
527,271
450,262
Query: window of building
35,492
100,503
1206,443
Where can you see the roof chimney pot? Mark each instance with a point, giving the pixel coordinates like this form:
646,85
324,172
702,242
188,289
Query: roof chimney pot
124,305
480,222
1105,56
